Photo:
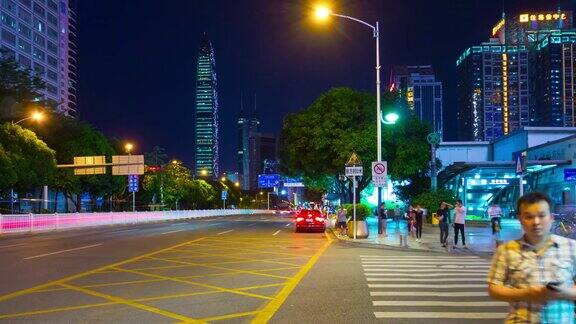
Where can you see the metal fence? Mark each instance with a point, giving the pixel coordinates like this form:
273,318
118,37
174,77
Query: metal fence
30,223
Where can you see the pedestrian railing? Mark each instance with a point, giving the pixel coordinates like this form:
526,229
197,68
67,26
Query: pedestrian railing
30,223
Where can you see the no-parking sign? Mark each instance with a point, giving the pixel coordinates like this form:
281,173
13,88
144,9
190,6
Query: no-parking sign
379,173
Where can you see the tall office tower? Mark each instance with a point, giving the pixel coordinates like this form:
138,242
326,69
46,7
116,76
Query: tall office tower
263,148
247,124
41,36
549,38
493,91
206,112
419,92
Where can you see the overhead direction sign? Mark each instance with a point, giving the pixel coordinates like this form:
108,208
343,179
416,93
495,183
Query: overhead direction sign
128,164
569,175
268,180
84,163
293,182
379,173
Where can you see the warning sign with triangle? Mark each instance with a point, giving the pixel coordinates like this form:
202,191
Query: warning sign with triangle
519,164
354,160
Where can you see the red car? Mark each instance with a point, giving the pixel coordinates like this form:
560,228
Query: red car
308,219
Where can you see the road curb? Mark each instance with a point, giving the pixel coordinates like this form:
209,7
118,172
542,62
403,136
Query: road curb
405,249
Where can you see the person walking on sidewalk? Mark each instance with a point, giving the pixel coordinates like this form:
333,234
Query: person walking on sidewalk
342,221
459,222
419,215
443,214
495,212
536,273
382,216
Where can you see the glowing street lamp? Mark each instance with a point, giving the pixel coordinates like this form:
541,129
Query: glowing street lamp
322,12
203,172
223,179
36,116
237,184
128,147
390,118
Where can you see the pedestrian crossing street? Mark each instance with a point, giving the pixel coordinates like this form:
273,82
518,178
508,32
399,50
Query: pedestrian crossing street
419,287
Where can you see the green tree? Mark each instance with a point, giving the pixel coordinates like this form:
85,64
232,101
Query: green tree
200,195
25,160
317,142
70,138
177,181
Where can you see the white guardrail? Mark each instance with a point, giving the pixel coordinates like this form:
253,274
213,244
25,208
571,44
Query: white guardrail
31,223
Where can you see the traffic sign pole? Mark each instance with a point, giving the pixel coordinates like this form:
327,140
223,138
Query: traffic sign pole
354,203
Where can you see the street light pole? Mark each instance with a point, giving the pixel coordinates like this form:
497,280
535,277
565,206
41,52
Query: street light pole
322,13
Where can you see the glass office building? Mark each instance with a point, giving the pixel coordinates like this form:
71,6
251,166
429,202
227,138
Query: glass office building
206,112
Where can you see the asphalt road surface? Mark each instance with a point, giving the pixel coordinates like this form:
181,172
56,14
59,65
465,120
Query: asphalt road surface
236,269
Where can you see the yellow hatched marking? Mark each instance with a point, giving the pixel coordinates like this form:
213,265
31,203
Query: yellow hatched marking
197,284
229,316
237,261
84,274
133,304
224,268
248,250
273,260
272,307
54,310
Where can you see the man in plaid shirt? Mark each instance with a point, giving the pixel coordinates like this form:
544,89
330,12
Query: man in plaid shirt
536,273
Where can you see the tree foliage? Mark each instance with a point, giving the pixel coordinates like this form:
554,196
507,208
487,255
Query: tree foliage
317,142
431,200
25,160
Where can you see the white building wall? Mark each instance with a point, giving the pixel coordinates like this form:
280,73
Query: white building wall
450,152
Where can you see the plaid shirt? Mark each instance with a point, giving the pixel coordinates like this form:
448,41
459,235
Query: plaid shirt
517,264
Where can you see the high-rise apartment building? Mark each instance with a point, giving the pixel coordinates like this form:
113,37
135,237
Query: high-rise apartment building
523,76
206,112
420,92
262,156
493,98
247,124
41,36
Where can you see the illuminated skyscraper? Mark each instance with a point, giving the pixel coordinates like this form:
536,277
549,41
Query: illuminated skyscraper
206,112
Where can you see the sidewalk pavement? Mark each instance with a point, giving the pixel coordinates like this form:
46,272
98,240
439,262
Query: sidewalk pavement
479,238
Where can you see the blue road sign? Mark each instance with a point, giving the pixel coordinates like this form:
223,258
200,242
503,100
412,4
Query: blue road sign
224,194
268,180
569,174
133,183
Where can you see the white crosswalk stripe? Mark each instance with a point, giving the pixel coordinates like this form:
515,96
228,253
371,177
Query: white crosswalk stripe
426,287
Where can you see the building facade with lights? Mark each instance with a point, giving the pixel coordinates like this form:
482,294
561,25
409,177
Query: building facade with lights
480,173
420,93
206,112
523,76
42,36
247,124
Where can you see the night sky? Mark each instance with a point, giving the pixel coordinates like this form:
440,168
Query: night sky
137,58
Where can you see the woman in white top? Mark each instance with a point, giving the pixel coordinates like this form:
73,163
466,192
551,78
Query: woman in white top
459,222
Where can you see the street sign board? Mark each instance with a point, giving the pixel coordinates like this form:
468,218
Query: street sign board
133,183
569,175
354,171
520,163
268,180
293,182
354,160
127,164
224,194
84,163
379,173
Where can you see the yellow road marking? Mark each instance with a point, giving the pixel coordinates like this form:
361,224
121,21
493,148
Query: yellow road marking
223,268
86,273
272,307
229,316
197,284
134,304
240,261
54,310
242,249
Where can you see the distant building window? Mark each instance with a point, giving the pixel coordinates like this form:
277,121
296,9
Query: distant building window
51,88
52,61
39,10
52,33
39,40
8,37
9,5
39,25
38,54
24,46
52,47
24,61
7,52
24,15
27,3
39,69
8,20
24,30
52,19
52,5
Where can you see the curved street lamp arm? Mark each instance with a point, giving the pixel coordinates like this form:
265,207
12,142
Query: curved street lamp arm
21,120
374,29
